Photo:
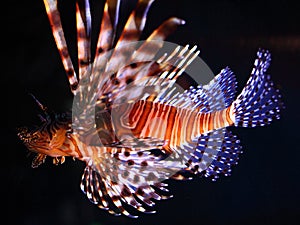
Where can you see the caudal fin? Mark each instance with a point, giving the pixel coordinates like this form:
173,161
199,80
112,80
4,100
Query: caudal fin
259,102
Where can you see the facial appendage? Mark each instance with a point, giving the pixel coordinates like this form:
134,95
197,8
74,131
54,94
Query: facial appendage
46,140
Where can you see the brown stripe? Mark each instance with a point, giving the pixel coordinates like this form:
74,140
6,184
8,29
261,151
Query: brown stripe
201,123
228,119
141,11
211,119
170,121
55,22
221,116
76,149
189,125
54,18
136,112
130,35
81,33
165,29
143,118
113,10
133,111
155,113
176,131
106,33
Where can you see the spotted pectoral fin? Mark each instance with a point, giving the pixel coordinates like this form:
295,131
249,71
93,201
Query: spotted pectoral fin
38,160
126,182
120,192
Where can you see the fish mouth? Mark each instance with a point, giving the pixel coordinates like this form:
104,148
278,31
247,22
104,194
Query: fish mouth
21,132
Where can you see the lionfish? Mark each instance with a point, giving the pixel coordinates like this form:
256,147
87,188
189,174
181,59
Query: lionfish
140,131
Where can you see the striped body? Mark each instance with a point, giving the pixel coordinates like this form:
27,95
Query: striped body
174,125
143,130
142,119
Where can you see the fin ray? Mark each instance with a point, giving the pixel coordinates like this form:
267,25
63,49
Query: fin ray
259,102
55,21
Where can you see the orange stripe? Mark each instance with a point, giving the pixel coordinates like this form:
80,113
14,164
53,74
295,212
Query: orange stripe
152,126
201,123
211,121
77,150
176,131
143,118
170,122
190,126
183,117
133,112
219,118
229,121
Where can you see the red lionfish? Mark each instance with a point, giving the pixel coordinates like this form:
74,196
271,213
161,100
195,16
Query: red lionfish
138,151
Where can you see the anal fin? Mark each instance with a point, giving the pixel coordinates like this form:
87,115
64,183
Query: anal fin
215,154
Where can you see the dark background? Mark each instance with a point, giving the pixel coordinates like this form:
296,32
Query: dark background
264,186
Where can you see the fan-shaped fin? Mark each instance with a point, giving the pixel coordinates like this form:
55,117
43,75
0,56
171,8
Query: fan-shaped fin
259,102
115,191
215,154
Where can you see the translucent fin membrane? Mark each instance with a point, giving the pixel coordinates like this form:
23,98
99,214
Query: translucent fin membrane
259,102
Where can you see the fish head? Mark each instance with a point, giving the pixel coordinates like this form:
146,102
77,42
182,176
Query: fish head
35,140
47,138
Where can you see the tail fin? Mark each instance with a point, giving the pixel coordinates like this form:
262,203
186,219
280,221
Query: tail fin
259,102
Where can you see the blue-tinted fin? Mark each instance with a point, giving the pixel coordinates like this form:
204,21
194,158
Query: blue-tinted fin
259,102
228,155
215,154
221,90
216,95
